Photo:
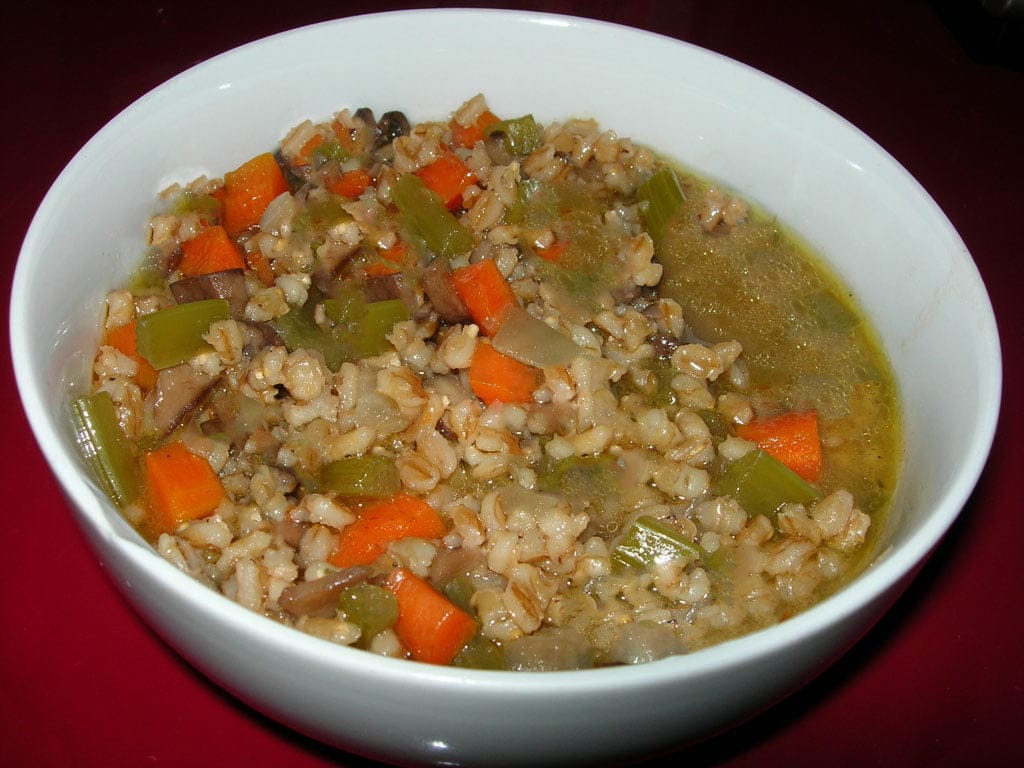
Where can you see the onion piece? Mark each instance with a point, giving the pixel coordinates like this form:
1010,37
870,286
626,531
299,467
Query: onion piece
533,342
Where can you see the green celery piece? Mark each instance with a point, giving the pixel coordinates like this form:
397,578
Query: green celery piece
480,653
300,331
346,307
459,590
650,542
327,151
425,215
718,425
148,278
762,484
373,609
194,202
171,336
320,214
664,197
589,478
105,446
376,323
522,135
371,476
535,206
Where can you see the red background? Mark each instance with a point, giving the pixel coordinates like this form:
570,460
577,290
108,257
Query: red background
938,682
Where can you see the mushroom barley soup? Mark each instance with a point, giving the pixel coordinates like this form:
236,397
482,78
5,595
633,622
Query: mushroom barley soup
490,393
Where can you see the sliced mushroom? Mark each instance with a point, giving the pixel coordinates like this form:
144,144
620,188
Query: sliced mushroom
383,287
329,263
307,598
258,336
437,286
178,391
228,284
390,126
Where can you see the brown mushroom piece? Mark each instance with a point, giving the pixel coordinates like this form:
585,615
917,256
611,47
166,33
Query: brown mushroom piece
178,391
394,286
228,284
306,598
329,264
390,126
438,288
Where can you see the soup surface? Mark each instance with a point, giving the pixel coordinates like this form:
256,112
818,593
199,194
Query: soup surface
491,393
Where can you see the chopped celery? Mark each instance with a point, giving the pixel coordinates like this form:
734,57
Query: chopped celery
480,653
650,542
762,484
300,331
664,198
171,336
663,395
581,477
346,306
193,202
358,329
319,214
522,135
376,323
372,476
426,217
148,278
327,151
536,204
717,424
533,342
373,609
105,447
460,591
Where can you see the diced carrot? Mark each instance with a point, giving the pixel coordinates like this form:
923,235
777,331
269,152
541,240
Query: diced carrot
396,253
554,252
352,184
260,264
248,191
123,339
449,177
431,627
466,136
399,517
210,251
792,438
485,293
305,155
180,486
495,376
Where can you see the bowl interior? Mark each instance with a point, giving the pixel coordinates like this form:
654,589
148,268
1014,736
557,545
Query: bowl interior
881,233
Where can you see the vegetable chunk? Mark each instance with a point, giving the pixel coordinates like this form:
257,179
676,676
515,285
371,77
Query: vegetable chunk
248,191
181,486
431,627
497,377
399,517
792,438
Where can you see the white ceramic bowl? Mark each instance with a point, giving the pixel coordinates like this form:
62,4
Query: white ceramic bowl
843,194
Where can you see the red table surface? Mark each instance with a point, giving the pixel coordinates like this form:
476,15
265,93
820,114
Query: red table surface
939,681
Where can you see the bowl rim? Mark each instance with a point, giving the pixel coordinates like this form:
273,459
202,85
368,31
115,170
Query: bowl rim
874,582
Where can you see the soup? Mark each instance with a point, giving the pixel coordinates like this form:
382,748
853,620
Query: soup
485,392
